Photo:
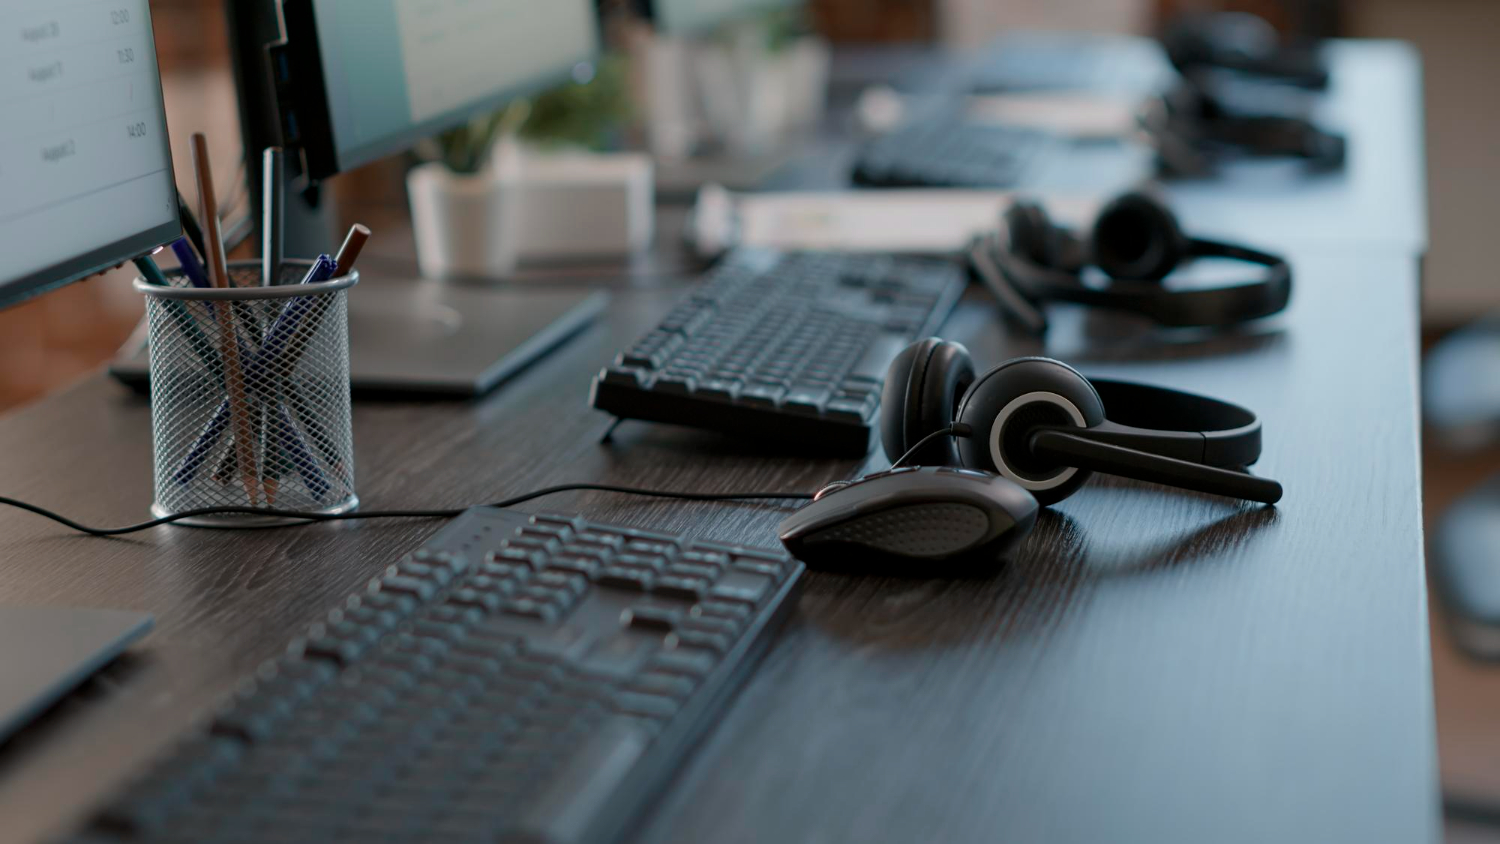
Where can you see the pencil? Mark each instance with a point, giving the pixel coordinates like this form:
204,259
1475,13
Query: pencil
349,252
218,274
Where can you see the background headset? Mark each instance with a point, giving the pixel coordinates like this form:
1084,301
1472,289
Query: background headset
1242,43
1194,131
1043,425
1137,242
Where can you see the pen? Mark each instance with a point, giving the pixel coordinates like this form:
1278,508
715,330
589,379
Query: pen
273,217
229,337
191,268
349,252
151,272
180,315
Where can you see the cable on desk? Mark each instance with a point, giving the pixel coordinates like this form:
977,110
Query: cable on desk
314,518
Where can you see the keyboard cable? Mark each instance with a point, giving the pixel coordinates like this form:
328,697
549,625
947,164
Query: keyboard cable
316,518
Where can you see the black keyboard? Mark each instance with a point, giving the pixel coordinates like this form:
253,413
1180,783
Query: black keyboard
788,348
950,154
518,679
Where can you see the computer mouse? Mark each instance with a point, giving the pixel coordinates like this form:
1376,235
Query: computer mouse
911,518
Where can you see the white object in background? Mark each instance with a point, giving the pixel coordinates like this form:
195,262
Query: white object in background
909,221
1072,114
466,225
585,205
674,122
736,94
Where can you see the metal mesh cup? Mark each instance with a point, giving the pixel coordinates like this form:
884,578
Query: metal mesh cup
259,421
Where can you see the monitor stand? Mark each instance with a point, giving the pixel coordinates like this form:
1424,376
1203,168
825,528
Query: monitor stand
419,337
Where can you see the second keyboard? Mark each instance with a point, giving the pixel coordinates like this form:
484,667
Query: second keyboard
787,348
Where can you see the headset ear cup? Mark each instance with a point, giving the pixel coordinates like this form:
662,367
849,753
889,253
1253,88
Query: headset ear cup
1137,238
1030,232
949,374
1011,400
893,398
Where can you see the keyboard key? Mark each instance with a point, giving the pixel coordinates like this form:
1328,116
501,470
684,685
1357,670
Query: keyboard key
587,778
634,377
631,580
418,589
486,601
651,618
716,642
685,661
530,608
679,383
685,588
762,395
720,389
742,587
806,401
649,706
877,359
673,686
848,410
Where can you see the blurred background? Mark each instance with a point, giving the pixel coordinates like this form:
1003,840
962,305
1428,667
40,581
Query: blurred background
59,337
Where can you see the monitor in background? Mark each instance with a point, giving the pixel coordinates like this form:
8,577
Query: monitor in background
85,183
85,166
381,75
341,83
686,17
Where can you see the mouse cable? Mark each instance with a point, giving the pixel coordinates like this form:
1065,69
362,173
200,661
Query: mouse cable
957,430
314,518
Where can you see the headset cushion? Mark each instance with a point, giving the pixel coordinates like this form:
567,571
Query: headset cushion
1137,238
922,388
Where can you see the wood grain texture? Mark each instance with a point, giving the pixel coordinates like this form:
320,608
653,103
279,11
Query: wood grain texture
1152,666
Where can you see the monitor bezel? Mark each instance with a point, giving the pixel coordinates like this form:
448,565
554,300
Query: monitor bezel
107,257
320,152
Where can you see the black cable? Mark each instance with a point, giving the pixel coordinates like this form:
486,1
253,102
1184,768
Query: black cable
958,429
314,518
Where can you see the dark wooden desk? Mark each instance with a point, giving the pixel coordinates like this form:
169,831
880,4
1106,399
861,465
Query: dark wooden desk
1152,666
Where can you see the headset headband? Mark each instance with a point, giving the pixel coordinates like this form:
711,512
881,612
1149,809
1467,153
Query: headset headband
1210,307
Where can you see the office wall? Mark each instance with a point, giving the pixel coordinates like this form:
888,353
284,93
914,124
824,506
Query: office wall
968,23
1462,62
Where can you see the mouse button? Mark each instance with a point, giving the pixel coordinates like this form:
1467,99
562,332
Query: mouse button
832,488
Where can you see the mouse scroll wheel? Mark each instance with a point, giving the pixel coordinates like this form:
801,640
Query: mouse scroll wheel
831,488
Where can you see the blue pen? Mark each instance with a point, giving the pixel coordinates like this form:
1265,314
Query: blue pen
192,269
286,324
306,464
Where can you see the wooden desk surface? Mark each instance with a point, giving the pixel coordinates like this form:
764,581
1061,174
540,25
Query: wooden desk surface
1152,666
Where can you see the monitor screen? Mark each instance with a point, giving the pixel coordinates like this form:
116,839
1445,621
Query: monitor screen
396,71
85,167
694,16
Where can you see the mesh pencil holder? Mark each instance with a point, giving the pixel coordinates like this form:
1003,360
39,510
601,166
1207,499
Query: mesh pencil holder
250,396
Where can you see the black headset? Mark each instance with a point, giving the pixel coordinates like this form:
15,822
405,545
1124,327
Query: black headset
1043,425
1242,43
1137,242
1194,132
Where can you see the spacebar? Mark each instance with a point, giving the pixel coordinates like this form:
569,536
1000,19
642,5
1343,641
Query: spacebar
877,358
581,787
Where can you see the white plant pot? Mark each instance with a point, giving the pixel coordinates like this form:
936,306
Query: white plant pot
466,225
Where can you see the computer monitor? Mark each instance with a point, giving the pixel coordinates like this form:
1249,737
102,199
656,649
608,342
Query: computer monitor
85,166
343,82
372,77
687,17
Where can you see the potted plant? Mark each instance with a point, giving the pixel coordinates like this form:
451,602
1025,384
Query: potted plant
469,196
